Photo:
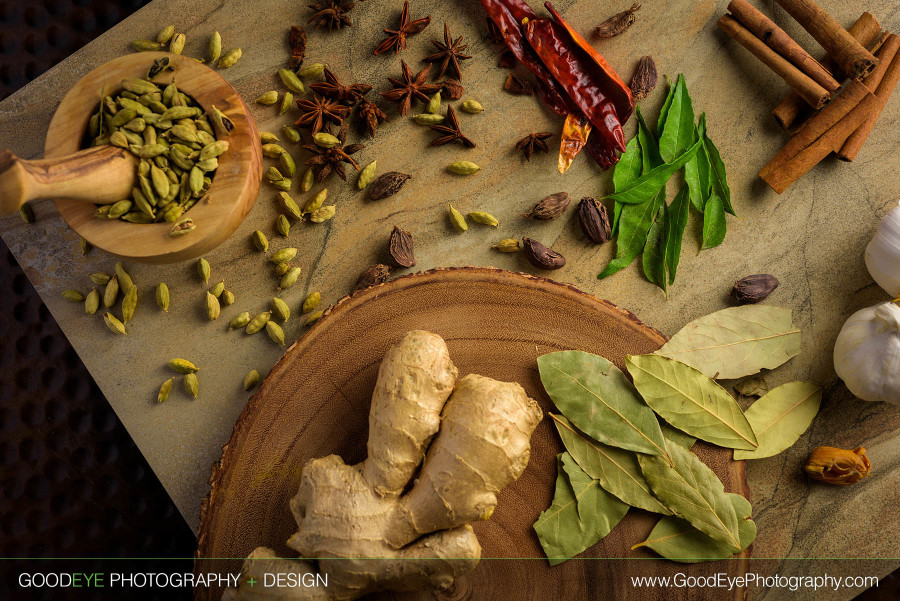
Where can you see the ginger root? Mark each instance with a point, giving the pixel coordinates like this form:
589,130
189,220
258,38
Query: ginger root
439,452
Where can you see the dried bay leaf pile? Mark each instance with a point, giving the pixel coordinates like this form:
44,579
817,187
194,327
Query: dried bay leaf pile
628,441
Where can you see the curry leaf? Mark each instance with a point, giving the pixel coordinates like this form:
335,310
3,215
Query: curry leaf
634,225
654,258
780,417
664,111
676,540
677,221
678,129
649,148
714,226
697,172
617,470
648,184
693,492
625,172
597,397
690,401
582,513
736,342
717,169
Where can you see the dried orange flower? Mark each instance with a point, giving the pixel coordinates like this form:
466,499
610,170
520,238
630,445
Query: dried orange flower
838,466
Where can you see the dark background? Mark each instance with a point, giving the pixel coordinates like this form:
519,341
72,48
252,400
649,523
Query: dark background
72,481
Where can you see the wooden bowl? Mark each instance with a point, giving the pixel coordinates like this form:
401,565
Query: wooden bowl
234,186
316,401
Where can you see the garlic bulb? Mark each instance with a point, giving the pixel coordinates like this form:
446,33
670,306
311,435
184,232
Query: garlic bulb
883,253
867,353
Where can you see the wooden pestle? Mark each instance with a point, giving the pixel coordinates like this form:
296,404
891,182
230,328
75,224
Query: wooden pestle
99,175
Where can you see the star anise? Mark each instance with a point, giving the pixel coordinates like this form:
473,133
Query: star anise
520,87
533,142
371,116
318,110
411,86
331,14
449,53
397,38
451,132
331,159
332,88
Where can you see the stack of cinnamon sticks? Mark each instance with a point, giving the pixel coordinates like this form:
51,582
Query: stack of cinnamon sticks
835,102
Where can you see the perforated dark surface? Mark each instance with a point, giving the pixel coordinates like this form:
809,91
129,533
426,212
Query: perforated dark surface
72,482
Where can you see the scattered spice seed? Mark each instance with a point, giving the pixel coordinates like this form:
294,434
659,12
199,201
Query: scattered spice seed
549,208
401,247
331,14
318,110
371,116
520,87
540,256
644,79
618,23
754,288
410,87
451,132
533,142
376,274
297,44
594,221
449,53
387,185
333,88
396,38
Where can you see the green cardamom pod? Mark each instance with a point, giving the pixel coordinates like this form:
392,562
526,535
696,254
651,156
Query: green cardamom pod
312,318
73,296
176,45
283,255
311,302
273,174
203,269
291,133
289,279
139,86
463,168
325,140
291,81
129,304
136,125
508,245
270,97
118,209
27,213
290,206
428,119
434,103
316,202
457,219
218,289
313,70
122,117
182,226
366,175
223,124
111,293
260,241
275,332
166,34
213,150
258,322
137,217
267,137
283,226
192,385
230,59
85,246
280,308
307,182
251,379
173,213
323,214
195,180
484,218
115,326
283,185
282,268
272,151
146,45
212,306
227,298
215,47
92,302
101,279
160,181
118,139
125,281
287,164
240,321
177,113
186,133
164,391
472,107
286,101
162,296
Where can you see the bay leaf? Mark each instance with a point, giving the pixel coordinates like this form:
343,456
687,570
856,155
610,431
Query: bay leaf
752,386
693,492
690,401
676,540
617,470
600,400
581,514
781,416
736,342
678,129
683,440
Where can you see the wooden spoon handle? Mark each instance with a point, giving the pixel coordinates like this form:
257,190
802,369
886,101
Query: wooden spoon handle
100,175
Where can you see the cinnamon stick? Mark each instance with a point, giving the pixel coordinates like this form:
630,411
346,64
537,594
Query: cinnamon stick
847,52
820,136
779,41
883,88
801,83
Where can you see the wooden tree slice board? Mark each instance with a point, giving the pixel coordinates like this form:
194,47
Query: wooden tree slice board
496,323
